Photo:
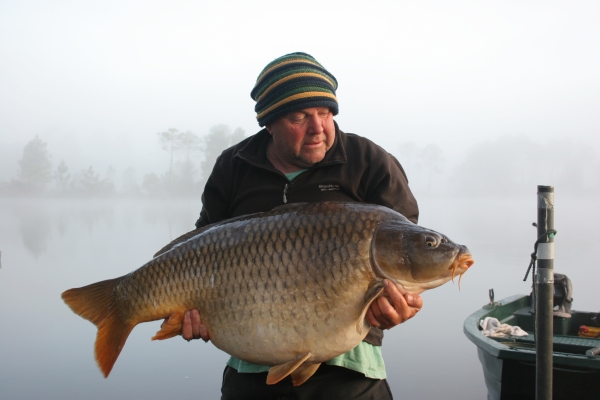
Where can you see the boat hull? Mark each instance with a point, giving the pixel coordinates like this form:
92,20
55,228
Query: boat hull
509,364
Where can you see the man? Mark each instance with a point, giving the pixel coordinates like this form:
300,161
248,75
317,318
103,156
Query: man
300,156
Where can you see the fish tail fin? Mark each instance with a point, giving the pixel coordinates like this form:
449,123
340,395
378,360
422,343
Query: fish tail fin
97,304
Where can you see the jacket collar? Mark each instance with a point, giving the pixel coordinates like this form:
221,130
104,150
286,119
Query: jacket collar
255,151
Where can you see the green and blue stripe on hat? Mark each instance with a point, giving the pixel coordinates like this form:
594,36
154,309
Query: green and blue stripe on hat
290,83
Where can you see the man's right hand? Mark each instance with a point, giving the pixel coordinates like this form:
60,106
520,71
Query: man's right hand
192,327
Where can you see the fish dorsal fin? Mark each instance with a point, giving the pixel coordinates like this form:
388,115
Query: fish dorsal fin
375,290
279,372
290,206
171,327
195,232
303,372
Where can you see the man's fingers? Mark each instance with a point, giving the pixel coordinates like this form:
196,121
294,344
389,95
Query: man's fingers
186,328
394,308
196,323
394,294
371,318
204,333
389,315
408,302
415,301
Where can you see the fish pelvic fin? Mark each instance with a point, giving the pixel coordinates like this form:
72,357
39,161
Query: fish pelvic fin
279,372
303,372
97,304
171,327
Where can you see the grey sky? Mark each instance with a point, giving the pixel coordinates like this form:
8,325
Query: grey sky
98,80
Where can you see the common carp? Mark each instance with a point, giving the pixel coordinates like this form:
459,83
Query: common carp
288,288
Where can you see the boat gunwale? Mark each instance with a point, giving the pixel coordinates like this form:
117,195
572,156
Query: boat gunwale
498,350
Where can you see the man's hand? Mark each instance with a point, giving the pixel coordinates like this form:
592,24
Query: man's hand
387,312
192,327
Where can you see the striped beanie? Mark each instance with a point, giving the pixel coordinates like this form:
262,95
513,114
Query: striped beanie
290,83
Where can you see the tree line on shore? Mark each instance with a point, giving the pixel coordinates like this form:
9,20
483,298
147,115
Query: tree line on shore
191,159
504,166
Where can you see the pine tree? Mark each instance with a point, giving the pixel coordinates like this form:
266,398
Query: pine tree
62,177
35,168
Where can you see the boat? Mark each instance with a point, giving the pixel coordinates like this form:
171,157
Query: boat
509,363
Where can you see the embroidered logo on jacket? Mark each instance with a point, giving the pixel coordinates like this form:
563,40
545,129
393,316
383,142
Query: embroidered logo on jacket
328,188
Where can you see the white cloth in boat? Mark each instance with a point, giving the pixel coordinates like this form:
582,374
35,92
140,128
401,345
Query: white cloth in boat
493,328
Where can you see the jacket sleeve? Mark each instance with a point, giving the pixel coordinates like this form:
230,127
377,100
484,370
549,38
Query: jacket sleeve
388,186
215,200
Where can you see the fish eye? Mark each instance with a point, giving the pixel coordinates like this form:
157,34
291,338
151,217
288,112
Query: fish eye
444,240
430,240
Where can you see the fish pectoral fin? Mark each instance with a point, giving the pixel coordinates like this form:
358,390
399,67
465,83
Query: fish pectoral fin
279,372
372,293
171,327
303,372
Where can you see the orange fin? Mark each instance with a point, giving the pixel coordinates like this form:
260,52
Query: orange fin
303,372
279,372
371,295
171,327
96,303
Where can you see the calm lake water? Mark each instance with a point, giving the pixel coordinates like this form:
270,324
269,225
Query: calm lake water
48,246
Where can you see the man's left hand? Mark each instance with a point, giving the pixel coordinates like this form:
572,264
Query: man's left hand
394,308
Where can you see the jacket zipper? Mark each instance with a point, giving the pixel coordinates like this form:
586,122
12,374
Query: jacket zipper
284,193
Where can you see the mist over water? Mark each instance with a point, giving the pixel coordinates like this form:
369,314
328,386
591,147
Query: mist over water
97,82
479,101
49,246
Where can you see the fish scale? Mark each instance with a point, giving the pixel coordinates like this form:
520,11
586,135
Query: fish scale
273,288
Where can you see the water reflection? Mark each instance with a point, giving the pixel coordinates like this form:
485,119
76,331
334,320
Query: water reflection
39,219
102,213
36,230
179,217
62,220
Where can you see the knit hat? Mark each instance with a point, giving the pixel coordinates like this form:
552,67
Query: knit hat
290,83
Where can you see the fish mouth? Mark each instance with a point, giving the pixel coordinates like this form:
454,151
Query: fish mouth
462,262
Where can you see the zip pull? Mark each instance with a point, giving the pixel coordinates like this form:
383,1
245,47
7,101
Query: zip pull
284,193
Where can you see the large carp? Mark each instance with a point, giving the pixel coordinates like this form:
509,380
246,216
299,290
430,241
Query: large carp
287,288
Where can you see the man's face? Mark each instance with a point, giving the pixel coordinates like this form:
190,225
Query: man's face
301,138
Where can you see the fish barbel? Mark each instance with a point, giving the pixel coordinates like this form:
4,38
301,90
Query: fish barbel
288,288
